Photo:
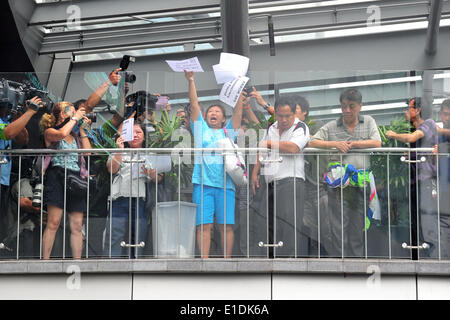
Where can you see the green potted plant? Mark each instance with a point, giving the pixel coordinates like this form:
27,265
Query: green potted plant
398,171
165,129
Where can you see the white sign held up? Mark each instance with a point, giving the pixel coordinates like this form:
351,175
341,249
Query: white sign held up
232,90
127,130
192,64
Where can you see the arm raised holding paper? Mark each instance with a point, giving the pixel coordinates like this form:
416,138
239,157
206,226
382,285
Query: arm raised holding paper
215,115
208,130
193,99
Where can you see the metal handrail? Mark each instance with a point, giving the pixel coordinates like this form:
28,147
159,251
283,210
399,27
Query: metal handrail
165,150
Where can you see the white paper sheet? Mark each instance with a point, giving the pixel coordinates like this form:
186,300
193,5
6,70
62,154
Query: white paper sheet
192,64
232,90
127,130
223,74
230,67
162,163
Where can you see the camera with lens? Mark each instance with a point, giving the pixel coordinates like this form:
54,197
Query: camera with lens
91,116
38,189
140,101
124,63
16,96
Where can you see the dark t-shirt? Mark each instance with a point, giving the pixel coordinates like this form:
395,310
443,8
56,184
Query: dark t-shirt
444,162
427,169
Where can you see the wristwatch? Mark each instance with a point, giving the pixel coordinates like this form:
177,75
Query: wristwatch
74,119
267,106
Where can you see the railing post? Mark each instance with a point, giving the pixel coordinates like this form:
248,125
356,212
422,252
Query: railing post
87,204
295,209
438,207
389,206
18,208
318,207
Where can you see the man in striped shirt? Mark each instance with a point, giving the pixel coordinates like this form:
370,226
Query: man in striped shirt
347,209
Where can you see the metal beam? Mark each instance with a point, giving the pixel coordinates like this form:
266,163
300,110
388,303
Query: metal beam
125,40
59,73
433,26
235,36
394,10
303,20
427,94
57,12
306,18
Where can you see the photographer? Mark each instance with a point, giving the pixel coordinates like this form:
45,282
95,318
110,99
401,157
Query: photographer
12,131
29,225
59,134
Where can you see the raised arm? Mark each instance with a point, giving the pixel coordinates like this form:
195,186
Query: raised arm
85,143
193,99
236,118
98,94
18,126
260,100
114,162
54,135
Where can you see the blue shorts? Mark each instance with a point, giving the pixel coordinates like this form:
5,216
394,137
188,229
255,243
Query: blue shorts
214,202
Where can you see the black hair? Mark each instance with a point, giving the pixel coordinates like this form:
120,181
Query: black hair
351,94
221,108
78,103
144,142
416,103
302,102
285,100
445,104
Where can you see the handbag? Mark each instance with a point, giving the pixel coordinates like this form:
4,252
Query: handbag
234,161
75,183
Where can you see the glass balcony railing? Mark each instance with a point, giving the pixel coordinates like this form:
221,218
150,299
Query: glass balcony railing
378,211
166,195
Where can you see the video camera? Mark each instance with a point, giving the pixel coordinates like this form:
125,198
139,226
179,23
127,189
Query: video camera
124,63
15,96
142,101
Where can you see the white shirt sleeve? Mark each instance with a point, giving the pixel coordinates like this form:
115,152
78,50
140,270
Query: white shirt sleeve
300,137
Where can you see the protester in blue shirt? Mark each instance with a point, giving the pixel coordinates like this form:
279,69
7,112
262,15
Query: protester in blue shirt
208,176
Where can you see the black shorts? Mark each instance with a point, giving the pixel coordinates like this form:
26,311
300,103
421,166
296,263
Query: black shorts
54,192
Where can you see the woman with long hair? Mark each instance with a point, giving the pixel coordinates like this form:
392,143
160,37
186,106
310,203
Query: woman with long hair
59,134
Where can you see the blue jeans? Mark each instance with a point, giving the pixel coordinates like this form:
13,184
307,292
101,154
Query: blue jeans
120,225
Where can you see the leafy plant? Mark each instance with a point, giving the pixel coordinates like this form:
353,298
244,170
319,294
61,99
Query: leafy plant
101,141
165,130
399,171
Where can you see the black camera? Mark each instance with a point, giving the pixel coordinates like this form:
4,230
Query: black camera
91,116
248,90
142,101
124,63
16,96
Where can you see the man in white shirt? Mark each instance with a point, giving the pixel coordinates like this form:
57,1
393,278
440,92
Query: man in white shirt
284,173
